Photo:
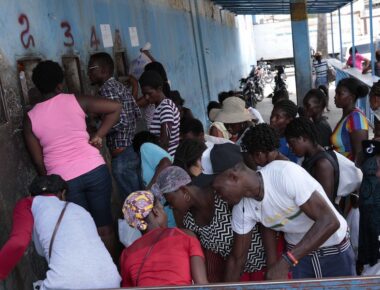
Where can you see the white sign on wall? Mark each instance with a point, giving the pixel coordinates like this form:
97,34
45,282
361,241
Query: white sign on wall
106,35
133,36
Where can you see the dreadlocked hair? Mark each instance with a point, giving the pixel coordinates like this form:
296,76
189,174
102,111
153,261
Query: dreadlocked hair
288,107
188,153
375,90
302,127
261,138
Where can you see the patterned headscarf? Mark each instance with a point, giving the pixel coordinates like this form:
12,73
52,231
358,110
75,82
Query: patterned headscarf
169,180
137,207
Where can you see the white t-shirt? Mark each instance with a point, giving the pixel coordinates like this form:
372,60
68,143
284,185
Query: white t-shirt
287,186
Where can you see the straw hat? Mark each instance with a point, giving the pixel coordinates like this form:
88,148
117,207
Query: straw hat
233,111
213,113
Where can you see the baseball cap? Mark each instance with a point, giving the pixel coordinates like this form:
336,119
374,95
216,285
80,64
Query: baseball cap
215,160
371,147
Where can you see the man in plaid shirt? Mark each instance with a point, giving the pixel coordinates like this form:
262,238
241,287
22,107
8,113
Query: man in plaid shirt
125,162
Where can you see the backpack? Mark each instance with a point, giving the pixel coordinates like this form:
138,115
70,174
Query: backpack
331,74
330,155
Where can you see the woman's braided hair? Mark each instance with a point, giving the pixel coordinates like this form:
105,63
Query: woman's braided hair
289,107
261,138
188,153
302,127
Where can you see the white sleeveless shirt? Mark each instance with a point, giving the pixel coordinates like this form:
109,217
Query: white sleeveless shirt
79,259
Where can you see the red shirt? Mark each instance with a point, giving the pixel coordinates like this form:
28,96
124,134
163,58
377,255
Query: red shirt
168,262
20,237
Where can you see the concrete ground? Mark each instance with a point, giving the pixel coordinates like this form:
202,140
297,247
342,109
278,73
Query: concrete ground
265,107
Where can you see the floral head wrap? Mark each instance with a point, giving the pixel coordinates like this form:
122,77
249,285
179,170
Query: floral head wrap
137,207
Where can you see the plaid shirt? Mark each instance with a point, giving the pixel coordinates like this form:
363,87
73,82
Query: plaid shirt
122,133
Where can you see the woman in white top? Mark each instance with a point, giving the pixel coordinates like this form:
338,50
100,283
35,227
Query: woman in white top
64,233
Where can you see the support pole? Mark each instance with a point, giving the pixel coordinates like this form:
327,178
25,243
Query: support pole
332,35
340,37
301,48
371,40
353,35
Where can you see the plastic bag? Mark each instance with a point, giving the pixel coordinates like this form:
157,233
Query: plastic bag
331,74
127,234
138,64
350,177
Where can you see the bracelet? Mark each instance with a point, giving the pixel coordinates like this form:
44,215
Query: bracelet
287,260
292,258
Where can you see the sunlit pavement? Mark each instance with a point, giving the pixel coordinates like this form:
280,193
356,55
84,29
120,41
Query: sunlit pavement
265,107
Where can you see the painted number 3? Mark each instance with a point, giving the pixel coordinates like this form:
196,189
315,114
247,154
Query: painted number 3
26,38
70,39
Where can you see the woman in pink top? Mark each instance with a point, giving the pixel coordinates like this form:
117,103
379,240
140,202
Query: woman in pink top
359,59
56,136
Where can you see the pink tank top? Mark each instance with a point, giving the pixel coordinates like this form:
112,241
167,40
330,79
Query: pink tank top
59,124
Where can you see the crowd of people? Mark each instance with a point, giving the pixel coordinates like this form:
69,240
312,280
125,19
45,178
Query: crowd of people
242,200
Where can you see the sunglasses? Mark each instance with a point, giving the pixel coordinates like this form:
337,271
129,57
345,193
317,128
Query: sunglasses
92,67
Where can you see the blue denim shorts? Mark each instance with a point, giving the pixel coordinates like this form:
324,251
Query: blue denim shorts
92,191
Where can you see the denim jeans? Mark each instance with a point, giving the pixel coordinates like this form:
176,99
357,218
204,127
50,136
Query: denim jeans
125,169
92,191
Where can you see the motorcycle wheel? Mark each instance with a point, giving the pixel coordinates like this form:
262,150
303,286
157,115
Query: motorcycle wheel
260,95
268,78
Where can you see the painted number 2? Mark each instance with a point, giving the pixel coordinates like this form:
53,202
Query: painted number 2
70,38
26,38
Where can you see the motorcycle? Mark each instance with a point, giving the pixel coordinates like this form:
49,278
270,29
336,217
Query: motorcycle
252,88
265,71
279,81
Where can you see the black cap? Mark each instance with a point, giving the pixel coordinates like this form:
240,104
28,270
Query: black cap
216,160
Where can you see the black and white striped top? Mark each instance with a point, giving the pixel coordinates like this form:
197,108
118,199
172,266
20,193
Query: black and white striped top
167,112
218,236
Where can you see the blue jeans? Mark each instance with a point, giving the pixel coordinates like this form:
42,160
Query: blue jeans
338,265
125,169
92,191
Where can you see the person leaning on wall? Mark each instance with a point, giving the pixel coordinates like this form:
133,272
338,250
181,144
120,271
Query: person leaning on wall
56,137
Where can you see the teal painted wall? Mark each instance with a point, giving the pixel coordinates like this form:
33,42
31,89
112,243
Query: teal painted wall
200,46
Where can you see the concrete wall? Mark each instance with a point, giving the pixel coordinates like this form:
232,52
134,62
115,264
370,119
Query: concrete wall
199,44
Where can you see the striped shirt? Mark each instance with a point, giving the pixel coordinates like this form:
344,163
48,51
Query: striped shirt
167,112
320,69
340,137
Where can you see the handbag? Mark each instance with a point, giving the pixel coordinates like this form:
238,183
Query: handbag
331,74
56,228
350,176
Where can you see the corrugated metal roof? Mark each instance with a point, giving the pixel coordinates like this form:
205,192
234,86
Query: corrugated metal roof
255,7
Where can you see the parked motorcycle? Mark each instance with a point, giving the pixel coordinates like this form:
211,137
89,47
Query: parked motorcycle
265,72
252,88
279,81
